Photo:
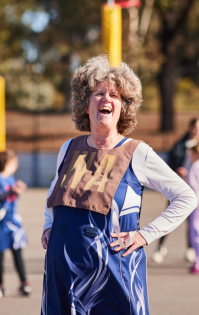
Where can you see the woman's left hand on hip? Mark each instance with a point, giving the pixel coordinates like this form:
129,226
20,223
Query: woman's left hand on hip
45,238
136,241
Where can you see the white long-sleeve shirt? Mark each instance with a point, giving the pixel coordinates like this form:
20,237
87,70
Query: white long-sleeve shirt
153,173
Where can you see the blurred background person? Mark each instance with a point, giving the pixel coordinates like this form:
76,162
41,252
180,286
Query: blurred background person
180,162
12,233
193,181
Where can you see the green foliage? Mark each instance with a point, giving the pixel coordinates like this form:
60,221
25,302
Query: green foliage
73,30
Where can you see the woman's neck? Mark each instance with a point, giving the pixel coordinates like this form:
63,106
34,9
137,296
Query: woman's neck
106,142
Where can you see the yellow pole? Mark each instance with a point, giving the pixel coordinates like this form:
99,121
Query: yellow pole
112,32
2,115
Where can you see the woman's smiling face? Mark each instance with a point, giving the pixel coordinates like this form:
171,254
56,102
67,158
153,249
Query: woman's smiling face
104,107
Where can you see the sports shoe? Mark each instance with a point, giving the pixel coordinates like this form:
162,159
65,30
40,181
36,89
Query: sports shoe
25,289
3,292
194,270
159,254
190,254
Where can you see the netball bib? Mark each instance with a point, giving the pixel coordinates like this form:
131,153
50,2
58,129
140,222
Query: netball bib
89,177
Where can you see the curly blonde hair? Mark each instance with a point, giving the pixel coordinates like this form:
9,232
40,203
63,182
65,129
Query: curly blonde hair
95,71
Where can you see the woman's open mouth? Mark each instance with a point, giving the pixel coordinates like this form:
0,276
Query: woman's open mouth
105,110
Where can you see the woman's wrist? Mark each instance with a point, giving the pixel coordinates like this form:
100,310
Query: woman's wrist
46,230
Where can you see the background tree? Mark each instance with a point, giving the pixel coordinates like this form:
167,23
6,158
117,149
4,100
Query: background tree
166,53
43,42
173,16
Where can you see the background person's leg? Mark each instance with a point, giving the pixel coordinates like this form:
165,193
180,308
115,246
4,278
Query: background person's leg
190,254
194,238
161,251
25,288
19,264
3,292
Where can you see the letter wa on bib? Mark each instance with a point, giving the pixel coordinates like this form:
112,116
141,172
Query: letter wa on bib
89,177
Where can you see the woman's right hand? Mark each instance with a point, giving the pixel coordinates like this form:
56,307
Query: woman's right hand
45,238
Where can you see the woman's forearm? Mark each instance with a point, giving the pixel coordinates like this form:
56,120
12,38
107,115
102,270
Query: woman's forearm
154,173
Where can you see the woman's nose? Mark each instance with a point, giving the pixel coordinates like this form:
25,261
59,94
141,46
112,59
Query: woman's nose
106,96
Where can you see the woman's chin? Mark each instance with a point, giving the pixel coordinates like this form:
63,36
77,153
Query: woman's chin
106,125
106,121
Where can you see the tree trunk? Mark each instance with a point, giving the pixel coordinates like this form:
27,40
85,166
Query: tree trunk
172,23
145,19
166,86
133,26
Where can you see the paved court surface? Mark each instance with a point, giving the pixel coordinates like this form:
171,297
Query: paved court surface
172,290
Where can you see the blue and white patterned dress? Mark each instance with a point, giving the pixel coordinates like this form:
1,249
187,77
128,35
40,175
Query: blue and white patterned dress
83,275
12,233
